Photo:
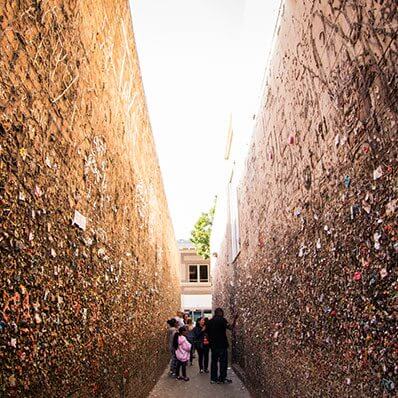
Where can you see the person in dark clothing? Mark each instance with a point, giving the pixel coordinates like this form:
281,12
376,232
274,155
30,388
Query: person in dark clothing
217,332
173,329
190,338
201,342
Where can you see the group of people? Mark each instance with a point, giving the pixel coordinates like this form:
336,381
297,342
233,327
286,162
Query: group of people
207,335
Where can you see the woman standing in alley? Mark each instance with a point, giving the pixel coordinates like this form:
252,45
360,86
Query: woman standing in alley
185,318
201,343
180,319
190,338
173,329
183,351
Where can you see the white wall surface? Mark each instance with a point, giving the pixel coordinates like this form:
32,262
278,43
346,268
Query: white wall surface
196,301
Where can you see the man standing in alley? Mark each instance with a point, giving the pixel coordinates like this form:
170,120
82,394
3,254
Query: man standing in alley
217,332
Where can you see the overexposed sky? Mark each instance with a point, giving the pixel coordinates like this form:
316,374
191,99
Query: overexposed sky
201,60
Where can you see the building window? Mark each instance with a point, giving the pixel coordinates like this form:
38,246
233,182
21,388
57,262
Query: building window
204,273
199,273
193,273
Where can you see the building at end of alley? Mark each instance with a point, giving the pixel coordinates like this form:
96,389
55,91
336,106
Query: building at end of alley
196,286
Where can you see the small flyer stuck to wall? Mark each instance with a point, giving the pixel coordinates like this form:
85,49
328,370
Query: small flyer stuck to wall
79,220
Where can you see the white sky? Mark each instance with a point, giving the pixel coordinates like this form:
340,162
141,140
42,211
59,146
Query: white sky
201,60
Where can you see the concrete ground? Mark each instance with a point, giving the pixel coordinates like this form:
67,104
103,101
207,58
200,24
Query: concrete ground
198,386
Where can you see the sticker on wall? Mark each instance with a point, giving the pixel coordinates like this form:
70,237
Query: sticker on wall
378,173
79,220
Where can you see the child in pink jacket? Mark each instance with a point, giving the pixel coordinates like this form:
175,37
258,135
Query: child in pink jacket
183,351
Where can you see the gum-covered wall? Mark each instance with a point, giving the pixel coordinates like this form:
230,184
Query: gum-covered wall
88,256
315,282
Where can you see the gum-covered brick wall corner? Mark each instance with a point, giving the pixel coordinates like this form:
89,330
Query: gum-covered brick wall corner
88,255
315,282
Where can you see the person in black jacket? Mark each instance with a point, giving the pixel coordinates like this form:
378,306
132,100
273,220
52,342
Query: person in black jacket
217,332
173,329
201,343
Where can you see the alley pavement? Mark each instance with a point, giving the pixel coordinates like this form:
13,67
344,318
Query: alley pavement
198,386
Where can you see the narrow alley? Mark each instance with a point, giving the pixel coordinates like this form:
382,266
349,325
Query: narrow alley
198,386
288,163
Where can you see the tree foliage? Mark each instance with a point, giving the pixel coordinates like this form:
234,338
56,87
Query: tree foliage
200,235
